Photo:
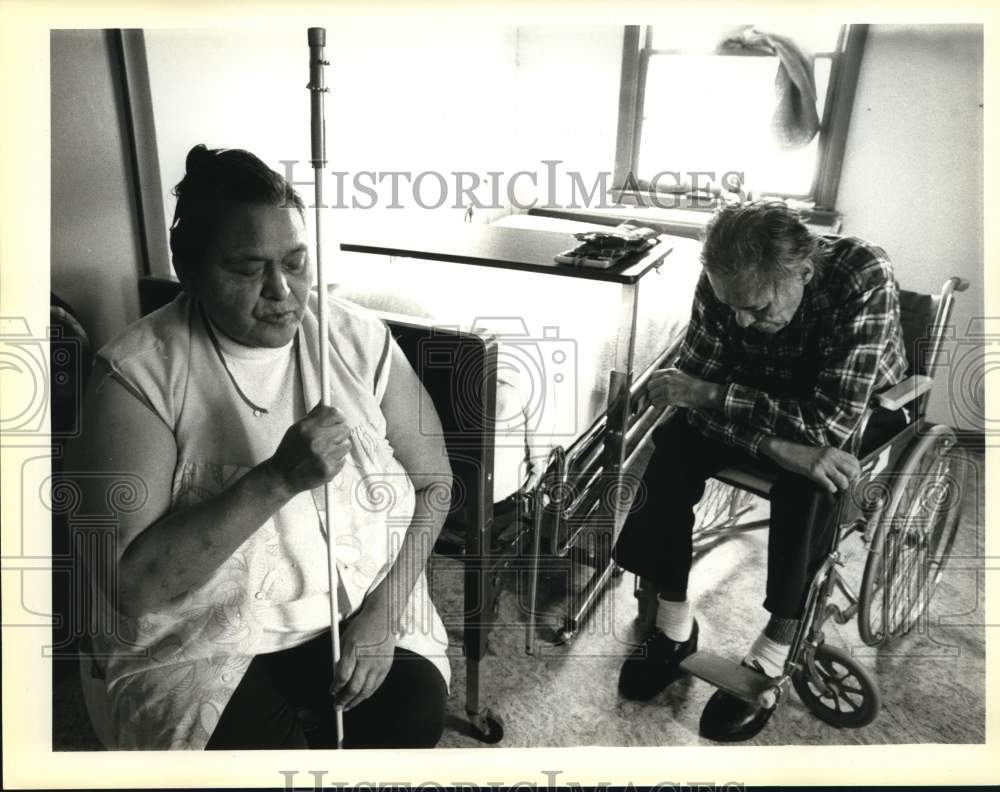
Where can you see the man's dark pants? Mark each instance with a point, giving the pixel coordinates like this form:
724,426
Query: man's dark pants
656,541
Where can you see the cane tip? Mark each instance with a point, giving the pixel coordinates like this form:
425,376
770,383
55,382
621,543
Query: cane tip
317,37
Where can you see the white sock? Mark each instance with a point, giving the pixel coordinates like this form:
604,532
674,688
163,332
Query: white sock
674,619
769,655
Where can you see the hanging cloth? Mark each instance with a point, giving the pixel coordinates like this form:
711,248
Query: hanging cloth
795,121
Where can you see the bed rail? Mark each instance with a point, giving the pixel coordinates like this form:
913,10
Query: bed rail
577,492
572,482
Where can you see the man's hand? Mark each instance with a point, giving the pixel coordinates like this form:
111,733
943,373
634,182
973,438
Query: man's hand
367,649
673,387
831,468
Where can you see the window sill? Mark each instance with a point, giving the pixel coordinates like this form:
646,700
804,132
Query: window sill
687,220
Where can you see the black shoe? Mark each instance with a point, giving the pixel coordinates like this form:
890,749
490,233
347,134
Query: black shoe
728,718
654,664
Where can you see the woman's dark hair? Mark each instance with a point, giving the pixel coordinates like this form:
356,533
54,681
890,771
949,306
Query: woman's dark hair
764,240
215,180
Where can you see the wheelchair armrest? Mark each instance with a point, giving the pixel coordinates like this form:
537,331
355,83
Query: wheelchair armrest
902,394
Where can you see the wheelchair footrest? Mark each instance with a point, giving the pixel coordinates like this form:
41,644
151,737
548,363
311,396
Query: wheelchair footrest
727,675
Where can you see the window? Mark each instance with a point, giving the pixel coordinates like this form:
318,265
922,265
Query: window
690,107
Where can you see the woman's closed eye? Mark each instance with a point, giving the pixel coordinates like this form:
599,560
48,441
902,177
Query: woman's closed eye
254,268
249,268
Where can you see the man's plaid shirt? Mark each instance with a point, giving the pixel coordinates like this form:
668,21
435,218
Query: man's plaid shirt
811,381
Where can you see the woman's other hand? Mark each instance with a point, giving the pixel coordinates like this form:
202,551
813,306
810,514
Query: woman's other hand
368,646
312,451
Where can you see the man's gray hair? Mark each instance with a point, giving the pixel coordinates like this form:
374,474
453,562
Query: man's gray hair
763,240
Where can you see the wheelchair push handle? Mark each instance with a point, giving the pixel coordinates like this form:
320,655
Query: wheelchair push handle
955,284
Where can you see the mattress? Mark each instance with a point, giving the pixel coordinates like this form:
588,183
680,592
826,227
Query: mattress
557,336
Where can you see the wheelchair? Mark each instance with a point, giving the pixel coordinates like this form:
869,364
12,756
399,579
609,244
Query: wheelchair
905,508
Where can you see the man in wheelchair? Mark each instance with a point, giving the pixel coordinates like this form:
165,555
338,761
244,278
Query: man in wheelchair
790,335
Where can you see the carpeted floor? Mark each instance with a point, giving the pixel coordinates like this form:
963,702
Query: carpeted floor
931,681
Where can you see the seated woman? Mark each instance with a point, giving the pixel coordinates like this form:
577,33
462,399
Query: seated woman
221,593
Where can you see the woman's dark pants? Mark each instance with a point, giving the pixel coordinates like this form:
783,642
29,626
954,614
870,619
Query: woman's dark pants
283,701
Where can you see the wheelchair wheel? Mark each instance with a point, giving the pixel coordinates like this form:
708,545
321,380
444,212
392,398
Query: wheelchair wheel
720,505
914,537
837,689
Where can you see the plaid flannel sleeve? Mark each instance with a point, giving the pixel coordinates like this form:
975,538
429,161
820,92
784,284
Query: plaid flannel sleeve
703,355
703,350
713,424
832,411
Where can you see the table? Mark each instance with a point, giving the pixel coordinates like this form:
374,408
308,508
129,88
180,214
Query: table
529,250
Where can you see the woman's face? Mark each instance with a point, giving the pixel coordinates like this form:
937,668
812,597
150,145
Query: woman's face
256,275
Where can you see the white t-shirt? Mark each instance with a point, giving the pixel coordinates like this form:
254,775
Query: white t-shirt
270,378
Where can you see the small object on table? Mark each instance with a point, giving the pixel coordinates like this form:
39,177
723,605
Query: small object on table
604,249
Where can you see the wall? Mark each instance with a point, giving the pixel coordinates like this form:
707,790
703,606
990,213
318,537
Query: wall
417,99
95,256
568,81
401,98
912,179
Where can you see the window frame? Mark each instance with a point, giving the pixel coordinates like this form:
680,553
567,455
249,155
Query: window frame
844,70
